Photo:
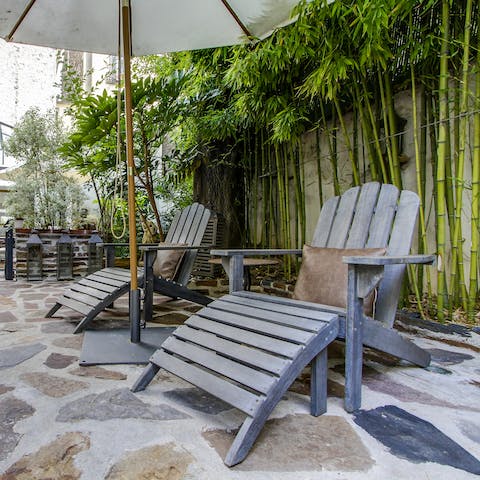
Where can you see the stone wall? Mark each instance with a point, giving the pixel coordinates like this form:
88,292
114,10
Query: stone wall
49,247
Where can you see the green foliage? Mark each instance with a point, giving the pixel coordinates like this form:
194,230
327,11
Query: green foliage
44,194
92,147
248,106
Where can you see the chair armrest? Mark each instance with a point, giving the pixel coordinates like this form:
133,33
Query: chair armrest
250,252
102,244
390,260
154,248
124,244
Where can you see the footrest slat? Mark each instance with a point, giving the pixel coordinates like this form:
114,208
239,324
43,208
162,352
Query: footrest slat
237,351
259,381
239,398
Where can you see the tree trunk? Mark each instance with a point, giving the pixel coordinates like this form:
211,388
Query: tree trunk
220,188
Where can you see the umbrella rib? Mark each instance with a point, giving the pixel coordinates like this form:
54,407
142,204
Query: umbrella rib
236,18
20,20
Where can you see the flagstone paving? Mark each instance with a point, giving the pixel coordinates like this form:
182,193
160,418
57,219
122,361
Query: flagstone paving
60,421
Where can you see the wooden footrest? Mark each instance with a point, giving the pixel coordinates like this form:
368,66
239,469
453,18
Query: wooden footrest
247,352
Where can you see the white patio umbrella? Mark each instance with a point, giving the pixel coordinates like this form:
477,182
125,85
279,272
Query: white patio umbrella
148,27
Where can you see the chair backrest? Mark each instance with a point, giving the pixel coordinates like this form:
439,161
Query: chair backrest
188,227
372,216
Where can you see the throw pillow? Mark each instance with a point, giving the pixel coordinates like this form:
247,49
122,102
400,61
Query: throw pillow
167,262
323,276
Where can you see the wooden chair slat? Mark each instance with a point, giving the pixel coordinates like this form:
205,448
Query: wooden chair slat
343,218
367,200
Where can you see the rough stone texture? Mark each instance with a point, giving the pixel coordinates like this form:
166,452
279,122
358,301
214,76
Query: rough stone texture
300,443
383,383
439,370
51,385
5,389
58,326
33,296
54,461
302,386
447,357
31,306
37,318
471,430
58,360
7,317
9,357
382,358
120,403
98,372
456,343
193,308
74,342
6,302
414,439
159,462
172,318
197,400
110,323
49,252
12,410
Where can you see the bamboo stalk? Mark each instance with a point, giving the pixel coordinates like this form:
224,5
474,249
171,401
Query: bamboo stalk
370,130
280,197
475,223
441,158
264,192
348,143
319,165
332,148
423,247
386,135
392,128
458,274
286,200
303,212
254,183
272,211
297,189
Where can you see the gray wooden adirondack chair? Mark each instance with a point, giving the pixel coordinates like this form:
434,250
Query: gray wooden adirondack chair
97,291
247,348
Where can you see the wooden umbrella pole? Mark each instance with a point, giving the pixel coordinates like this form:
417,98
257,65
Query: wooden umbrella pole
134,291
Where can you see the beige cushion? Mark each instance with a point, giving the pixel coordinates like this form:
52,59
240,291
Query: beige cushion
323,276
168,261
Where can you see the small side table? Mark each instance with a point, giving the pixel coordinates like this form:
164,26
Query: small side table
247,263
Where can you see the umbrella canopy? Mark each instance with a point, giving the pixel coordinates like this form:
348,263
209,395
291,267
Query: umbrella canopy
147,27
157,26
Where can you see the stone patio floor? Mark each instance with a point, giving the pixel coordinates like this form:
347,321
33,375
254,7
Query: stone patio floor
62,421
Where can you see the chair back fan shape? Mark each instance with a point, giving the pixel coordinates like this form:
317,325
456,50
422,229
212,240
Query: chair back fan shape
372,216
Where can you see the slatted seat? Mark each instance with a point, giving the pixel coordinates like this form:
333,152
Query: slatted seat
97,291
248,354
213,349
